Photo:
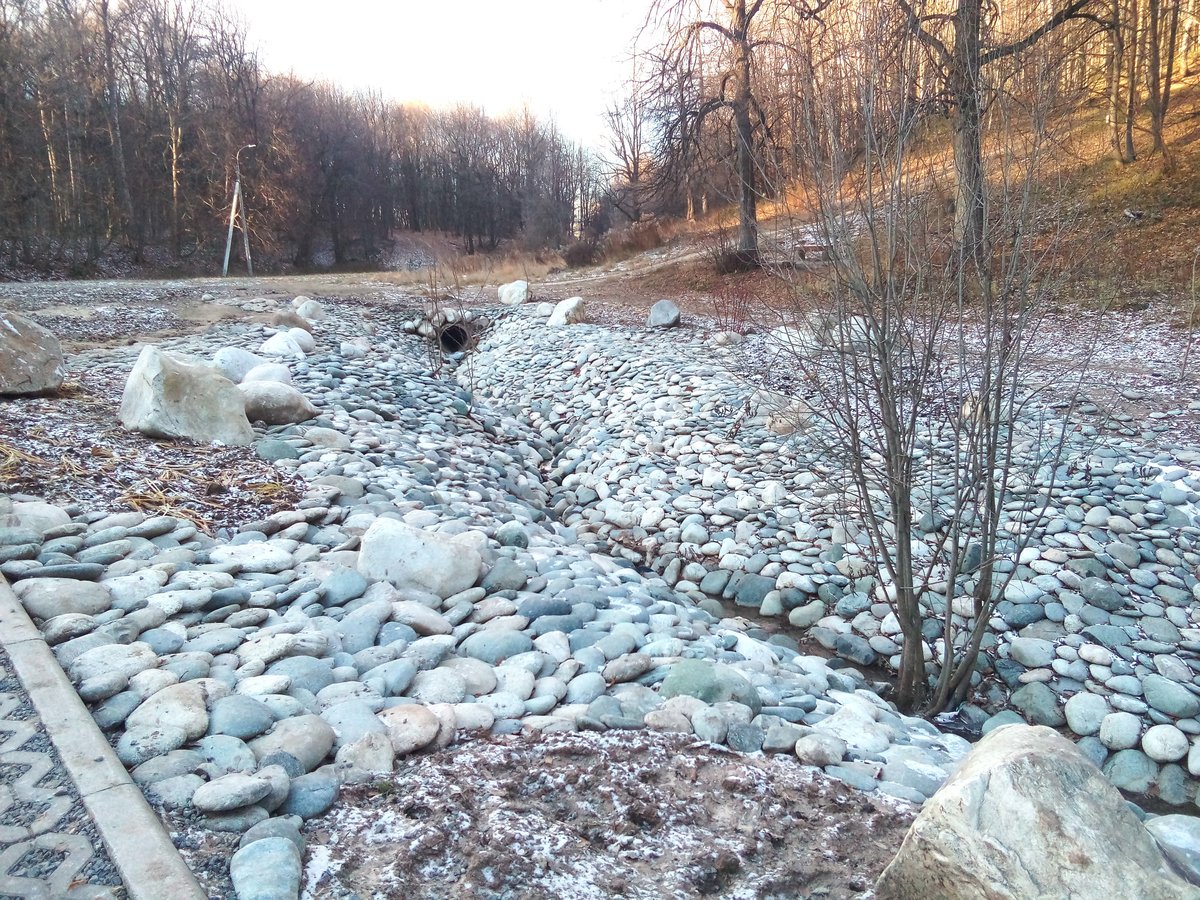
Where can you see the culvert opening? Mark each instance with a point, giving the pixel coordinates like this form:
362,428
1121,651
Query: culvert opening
454,338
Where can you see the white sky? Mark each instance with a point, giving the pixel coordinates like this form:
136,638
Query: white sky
565,58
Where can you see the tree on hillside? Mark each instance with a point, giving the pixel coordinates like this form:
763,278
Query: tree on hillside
917,368
695,43
628,128
964,43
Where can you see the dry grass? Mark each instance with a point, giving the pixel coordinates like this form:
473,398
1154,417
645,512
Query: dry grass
459,270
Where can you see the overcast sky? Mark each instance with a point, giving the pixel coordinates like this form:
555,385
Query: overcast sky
562,57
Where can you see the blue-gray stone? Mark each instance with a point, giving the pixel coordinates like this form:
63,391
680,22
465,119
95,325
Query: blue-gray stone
752,589
267,869
494,646
1039,704
1101,593
239,716
1170,697
512,534
855,649
745,738
533,608
1131,770
341,585
306,672
310,795
710,682
714,582
852,604
1108,635
272,450
505,575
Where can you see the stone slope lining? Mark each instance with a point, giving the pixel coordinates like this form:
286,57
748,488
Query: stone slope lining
244,678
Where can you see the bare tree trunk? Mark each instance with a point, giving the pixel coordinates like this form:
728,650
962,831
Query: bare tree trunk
176,217
1116,70
51,161
970,199
747,197
113,109
1131,100
1162,32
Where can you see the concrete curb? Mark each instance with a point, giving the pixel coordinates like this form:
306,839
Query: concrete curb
137,842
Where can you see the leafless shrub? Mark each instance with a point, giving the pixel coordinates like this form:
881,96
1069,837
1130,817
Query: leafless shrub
921,323
581,253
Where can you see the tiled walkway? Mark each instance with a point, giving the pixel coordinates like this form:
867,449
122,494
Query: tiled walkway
49,847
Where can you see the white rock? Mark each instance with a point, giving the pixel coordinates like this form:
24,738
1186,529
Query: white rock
420,618
235,362
45,598
128,659
31,359
165,397
1164,743
38,516
1120,730
302,339
281,344
257,556
571,311
182,705
986,831
413,558
663,314
311,310
514,293
410,727
269,372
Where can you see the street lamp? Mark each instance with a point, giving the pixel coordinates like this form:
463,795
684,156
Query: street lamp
233,211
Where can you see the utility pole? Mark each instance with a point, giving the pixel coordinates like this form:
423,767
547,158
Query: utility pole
238,202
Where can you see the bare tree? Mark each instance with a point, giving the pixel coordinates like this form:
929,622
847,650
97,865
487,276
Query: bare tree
1162,39
628,150
963,44
918,364
695,41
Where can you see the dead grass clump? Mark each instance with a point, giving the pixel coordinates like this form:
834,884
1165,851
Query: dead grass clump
631,240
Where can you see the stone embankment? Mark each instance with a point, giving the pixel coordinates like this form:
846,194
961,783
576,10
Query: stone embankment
535,539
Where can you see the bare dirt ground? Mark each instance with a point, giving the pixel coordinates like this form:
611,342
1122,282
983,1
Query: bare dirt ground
622,814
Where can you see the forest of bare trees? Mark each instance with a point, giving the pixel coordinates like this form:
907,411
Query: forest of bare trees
715,115
120,121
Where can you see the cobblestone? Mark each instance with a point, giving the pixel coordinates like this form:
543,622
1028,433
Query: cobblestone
49,847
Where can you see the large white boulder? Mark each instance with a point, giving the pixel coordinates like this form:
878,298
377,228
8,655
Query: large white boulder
275,403
269,372
166,397
311,310
413,558
31,360
234,362
568,312
302,339
514,293
1027,815
282,344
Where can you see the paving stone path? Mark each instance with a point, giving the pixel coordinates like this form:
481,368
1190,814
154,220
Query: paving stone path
49,847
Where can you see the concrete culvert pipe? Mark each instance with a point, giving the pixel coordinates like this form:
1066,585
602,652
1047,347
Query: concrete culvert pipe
454,338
